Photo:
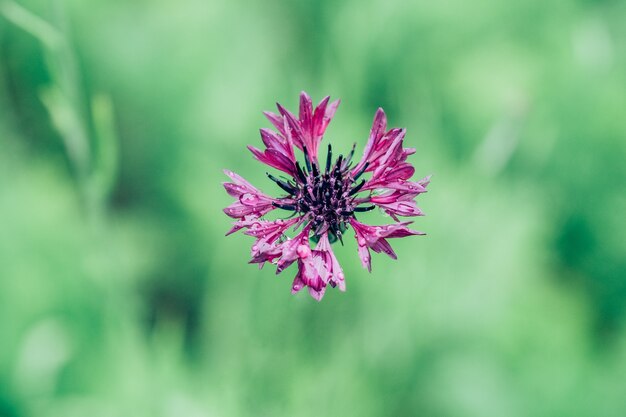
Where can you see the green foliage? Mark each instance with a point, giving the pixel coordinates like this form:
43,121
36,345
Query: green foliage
119,294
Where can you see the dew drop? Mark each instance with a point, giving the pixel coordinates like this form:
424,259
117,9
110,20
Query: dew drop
247,198
303,251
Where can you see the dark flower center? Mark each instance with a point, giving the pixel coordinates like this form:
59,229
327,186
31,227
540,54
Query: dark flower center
326,199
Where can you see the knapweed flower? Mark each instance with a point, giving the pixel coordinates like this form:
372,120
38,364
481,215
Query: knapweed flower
323,199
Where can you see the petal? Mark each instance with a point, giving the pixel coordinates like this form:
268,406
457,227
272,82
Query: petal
274,159
239,180
242,223
311,273
263,251
374,237
381,245
281,161
238,210
315,272
279,143
317,294
269,230
294,127
376,133
399,185
364,253
331,109
335,272
306,117
234,190
251,200
402,208
276,120
298,284
318,117
392,155
293,249
402,172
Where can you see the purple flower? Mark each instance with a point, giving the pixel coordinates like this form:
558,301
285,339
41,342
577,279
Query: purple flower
323,200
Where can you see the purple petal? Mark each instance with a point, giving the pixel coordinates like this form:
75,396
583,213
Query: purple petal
251,201
298,284
276,120
364,253
293,127
274,159
318,117
376,133
374,237
238,210
424,182
331,109
306,117
335,272
282,144
311,273
269,230
293,249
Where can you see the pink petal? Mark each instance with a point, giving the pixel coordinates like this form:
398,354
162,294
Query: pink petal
276,120
374,237
364,253
328,116
274,159
318,117
335,272
376,133
251,201
292,249
306,118
238,210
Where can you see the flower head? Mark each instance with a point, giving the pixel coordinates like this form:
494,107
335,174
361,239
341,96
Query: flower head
323,200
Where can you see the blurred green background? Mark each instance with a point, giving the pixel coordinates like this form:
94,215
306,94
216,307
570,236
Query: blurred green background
120,295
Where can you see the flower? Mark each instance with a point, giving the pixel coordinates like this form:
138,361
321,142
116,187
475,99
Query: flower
324,200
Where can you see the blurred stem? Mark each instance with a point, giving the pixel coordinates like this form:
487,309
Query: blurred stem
93,157
93,154
31,23
67,123
105,164
7,123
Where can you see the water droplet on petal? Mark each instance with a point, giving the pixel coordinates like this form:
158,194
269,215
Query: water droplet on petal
247,198
303,251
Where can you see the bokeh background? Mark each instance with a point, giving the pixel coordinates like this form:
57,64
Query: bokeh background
120,295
